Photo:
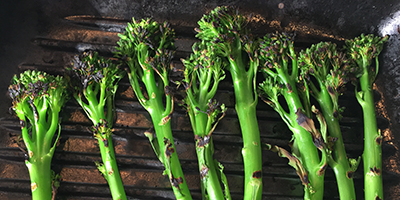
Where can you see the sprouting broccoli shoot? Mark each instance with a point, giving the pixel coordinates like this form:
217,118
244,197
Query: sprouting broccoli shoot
330,69
37,100
226,30
95,82
280,67
147,47
203,72
363,51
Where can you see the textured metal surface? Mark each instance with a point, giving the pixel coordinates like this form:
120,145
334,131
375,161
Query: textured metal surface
45,35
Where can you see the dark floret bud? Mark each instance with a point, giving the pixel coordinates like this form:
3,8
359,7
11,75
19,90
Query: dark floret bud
335,114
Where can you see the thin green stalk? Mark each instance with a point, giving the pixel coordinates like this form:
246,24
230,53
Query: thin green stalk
40,175
109,168
210,180
225,29
96,81
37,100
203,72
246,110
162,127
147,48
363,50
340,165
308,151
281,71
330,69
170,157
209,176
372,155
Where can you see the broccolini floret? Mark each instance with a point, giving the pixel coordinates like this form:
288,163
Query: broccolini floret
362,51
147,47
203,72
226,30
37,100
330,70
95,81
280,67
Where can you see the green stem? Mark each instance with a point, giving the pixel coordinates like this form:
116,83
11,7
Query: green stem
109,168
164,132
340,165
372,155
40,175
308,152
111,172
303,139
110,110
246,111
209,177
51,131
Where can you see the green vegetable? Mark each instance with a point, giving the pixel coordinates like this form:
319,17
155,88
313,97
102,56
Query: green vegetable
147,48
280,66
203,72
95,82
362,51
330,70
37,100
225,29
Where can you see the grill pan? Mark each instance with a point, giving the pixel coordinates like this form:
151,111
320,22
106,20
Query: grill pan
45,35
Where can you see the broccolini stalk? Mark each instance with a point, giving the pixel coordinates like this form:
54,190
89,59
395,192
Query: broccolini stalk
225,29
330,69
362,51
95,81
38,98
281,70
203,72
147,48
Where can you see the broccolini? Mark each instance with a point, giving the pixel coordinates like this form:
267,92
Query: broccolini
331,70
37,100
203,72
280,67
147,48
362,51
226,30
95,82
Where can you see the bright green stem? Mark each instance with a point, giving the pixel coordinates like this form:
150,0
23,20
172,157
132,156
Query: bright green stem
372,155
111,173
209,177
246,110
308,152
340,165
40,175
156,109
164,132
210,182
310,160
109,169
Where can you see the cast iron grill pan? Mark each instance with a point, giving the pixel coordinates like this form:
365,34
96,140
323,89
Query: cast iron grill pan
140,170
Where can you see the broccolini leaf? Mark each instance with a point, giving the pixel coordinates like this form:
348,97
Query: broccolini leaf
293,161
